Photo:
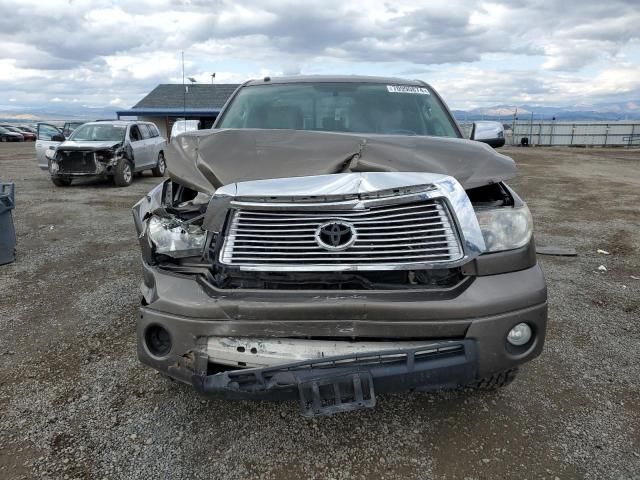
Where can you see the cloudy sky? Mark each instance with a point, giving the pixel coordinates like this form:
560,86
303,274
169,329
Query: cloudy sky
111,53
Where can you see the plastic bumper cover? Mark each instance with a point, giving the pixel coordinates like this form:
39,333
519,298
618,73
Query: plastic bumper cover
348,382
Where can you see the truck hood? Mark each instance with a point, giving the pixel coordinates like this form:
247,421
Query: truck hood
91,146
206,160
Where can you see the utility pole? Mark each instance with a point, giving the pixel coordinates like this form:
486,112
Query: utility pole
184,95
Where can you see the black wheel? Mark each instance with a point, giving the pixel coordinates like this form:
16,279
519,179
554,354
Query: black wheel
496,381
161,166
61,182
123,173
3,139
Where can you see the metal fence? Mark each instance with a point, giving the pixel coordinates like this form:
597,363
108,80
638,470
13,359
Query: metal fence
561,133
551,132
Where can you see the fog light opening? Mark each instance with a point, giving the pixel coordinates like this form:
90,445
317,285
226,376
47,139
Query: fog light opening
519,335
158,340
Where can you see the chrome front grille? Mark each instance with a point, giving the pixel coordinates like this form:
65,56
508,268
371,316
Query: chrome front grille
392,236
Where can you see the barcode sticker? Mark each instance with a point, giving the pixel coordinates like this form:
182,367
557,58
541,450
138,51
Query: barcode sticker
408,89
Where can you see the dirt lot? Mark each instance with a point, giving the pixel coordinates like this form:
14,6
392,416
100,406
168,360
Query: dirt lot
75,403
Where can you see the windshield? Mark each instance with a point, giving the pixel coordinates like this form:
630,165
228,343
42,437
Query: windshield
340,107
99,133
3,130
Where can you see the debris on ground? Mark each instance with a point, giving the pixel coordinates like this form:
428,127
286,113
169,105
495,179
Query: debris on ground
556,251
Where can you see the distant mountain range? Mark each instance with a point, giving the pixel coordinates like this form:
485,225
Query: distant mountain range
613,111
60,111
598,112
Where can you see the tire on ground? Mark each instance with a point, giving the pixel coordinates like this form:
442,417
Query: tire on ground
61,182
123,173
495,381
161,166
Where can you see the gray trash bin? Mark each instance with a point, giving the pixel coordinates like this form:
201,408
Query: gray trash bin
7,232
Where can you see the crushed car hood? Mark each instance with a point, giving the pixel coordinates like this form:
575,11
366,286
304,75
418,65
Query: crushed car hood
207,160
71,145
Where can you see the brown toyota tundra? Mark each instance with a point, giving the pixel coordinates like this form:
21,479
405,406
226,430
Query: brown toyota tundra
334,238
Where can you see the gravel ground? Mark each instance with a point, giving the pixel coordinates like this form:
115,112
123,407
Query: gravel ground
75,403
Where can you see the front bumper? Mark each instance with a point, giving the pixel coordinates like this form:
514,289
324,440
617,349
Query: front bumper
88,166
478,318
348,382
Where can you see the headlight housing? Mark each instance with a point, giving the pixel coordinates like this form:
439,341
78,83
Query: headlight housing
104,155
505,228
174,237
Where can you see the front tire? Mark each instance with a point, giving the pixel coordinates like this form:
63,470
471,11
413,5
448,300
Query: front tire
123,173
495,381
161,166
61,182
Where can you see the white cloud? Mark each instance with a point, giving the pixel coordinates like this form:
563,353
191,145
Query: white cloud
97,52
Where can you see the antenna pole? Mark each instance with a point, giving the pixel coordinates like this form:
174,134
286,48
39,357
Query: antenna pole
184,95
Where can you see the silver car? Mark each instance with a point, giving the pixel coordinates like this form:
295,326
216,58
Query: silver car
117,149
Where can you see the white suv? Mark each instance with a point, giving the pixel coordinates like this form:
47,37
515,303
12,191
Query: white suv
116,148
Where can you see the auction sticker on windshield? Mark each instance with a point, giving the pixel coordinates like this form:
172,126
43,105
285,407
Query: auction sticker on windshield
408,89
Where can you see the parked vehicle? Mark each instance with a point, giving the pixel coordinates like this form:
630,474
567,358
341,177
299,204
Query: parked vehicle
14,130
117,149
9,136
181,126
333,238
28,135
26,128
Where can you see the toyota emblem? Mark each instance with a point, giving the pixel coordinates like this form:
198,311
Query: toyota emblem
335,235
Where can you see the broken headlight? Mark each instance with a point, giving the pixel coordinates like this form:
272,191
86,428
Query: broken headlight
174,237
104,155
505,228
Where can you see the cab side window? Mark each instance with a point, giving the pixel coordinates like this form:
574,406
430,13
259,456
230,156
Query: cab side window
144,129
134,134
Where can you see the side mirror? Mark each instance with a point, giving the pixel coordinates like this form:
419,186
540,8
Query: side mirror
58,138
491,133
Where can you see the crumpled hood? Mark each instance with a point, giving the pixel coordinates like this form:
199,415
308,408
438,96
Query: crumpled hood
206,160
71,145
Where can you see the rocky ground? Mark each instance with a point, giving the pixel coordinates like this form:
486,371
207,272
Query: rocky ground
75,403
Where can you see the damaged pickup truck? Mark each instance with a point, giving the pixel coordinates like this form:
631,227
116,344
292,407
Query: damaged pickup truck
334,238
